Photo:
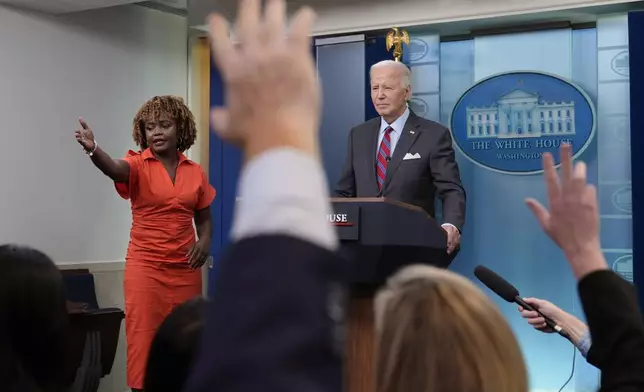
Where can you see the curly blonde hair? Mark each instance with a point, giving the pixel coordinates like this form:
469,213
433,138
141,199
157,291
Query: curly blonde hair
173,107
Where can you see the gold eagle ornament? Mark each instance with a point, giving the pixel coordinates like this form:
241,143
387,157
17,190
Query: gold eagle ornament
395,39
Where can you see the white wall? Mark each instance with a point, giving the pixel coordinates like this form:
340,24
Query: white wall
101,65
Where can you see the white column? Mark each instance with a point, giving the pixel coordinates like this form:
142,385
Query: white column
482,125
517,122
490,123
503,122
535,121
555,121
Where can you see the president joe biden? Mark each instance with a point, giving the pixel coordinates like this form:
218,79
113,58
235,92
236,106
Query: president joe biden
402,156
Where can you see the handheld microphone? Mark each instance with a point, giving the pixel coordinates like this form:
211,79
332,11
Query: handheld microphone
505,290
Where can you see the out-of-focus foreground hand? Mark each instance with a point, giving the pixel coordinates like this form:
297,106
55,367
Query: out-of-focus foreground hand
573,219
272,92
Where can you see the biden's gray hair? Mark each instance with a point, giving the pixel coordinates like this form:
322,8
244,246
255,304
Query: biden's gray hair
404,70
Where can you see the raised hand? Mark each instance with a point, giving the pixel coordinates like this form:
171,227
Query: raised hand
272,92
573,219
84,135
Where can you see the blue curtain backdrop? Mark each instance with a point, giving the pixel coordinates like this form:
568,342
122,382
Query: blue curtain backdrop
636,52
215,172
224,165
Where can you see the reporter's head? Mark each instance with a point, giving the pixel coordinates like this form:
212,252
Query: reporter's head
33,320
175,347
438,332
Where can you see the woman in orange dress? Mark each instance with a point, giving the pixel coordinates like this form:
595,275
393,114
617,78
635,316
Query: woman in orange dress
167,192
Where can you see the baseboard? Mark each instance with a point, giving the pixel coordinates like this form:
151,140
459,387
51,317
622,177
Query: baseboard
117,266
94,266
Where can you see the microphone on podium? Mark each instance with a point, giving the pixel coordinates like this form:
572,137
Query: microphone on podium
505,290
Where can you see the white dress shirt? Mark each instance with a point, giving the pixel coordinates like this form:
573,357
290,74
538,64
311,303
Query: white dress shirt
284,191
398,125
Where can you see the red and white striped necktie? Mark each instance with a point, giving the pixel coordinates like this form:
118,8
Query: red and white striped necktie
384,155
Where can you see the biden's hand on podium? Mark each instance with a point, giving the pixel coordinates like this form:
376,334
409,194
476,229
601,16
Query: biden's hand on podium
573,219
272,92
453,237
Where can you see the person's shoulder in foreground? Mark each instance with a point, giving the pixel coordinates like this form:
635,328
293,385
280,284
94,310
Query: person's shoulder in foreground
283,272
276,309
617,329
273,317
279,334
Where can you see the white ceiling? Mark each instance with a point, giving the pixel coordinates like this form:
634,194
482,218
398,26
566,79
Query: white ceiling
446,17
65,6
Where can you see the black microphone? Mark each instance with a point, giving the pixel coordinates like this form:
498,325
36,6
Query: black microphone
505,290
387,158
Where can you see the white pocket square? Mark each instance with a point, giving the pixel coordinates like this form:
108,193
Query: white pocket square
411,156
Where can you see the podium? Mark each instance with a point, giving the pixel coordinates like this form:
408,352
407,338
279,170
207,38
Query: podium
378,237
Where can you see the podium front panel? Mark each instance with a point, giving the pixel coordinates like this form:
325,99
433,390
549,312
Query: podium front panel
346,220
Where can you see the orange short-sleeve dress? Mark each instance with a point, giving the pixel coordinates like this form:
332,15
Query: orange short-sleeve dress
158,276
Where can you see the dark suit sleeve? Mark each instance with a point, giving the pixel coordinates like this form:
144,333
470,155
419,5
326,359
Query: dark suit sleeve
616,329
269,327
346,186
447,180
